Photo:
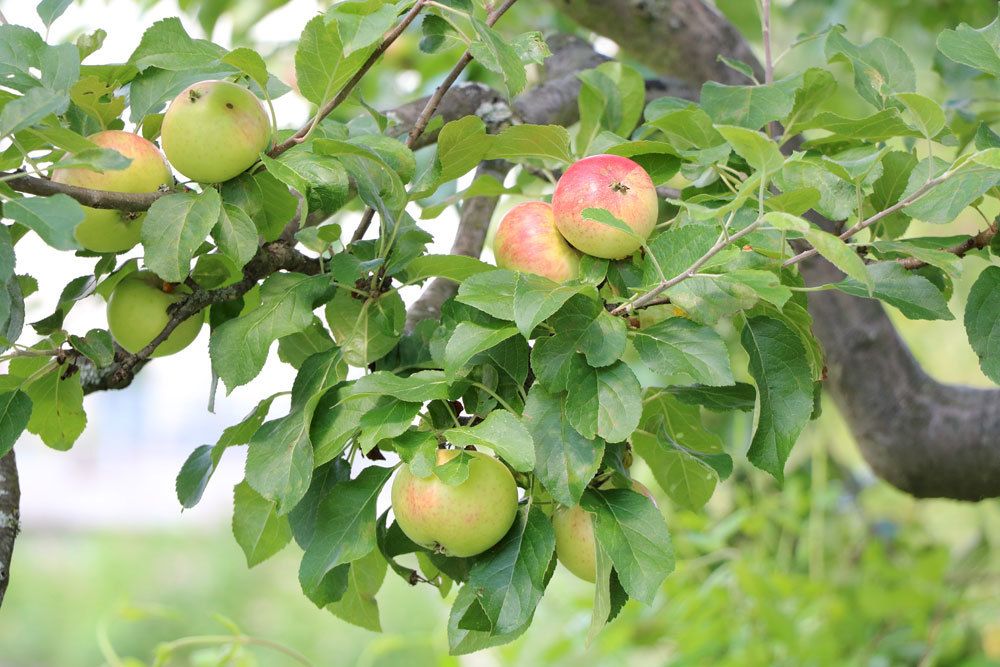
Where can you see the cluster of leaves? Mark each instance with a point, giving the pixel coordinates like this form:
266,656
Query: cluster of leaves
565,383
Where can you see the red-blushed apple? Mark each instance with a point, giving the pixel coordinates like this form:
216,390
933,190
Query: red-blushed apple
575,546
107,230
461,520
616,184
527,240
214,131
137,313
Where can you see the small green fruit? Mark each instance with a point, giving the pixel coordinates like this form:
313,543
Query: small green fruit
137,313
214,131
462,520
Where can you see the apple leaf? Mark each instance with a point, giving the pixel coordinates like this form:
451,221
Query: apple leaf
501,432
52,218
982,321
258,529
15,412
174,229
680,347
604,402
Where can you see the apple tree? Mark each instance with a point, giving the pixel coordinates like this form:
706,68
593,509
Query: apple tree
696,234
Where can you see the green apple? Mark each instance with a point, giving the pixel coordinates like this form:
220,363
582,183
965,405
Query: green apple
107,230
461,520
214,131
137,313
575,546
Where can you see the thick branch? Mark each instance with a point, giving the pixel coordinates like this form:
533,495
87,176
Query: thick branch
10,501
469,239
43,187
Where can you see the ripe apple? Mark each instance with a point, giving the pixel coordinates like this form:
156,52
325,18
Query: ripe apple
214,131
527,240
462,520
107,230
575,546
137,313
615,184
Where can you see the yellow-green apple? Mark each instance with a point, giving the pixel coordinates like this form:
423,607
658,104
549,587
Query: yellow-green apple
527,240
107,230
461,520
575,547
214,131
610,182
137,313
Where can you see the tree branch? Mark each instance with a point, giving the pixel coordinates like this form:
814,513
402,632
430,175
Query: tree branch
133,202
979,241
10,502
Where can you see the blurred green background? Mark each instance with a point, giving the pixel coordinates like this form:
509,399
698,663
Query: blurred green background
836,568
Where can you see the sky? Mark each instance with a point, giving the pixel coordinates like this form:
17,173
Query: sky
121,471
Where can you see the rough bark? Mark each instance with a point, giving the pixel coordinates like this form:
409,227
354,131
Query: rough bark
10,502
927,438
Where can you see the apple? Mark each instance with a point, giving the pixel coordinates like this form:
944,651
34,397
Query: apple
137,313
615,184
575,546
214,131
107,230
527,240
462,520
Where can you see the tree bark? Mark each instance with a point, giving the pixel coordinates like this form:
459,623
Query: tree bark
10,502
927,438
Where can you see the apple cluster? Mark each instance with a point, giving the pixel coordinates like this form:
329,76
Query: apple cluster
548,239
211,132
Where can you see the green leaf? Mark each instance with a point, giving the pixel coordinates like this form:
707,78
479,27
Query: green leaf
751,107
829,246
491,292
915,296
366,329
389,418
258,529
881,67
52,218
15,411
632,532
96,345
604,402
677,346
194,475
345,526
241,432
238,348
565,460
536,298
166,45
320,68
496,54
666,417
880,126
421,386
687,480
418,450
582,325
781,372
250,63
468,340
461,145
280,460
358,605
453,267
50,10
837,196
544,142
173,230
611,99
455,470
362,24
982,321
326,181
509,580
236,234
945,201
926,112
31,108
501,432
740,396
57,414
817,87
336,420
759,151
979,49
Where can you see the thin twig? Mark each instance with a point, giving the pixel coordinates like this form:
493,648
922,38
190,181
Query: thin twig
765,26
348,88
432,104
979,241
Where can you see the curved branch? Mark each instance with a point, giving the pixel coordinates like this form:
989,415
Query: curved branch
10,502
125,201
